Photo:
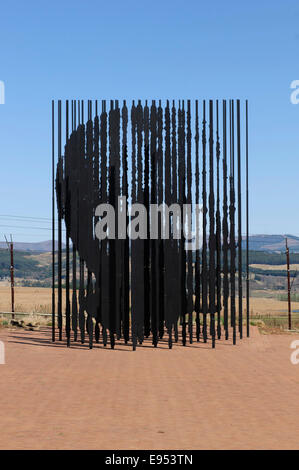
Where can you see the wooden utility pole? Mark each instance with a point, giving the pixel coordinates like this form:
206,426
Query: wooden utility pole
289,285
12,282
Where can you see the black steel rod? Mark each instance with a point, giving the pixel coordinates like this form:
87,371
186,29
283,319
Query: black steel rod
218,230
75,228
239,222
212,240
53,223
204,275
190,306
232,224
59,204
247,227
197,226
67,247
225,226
160,278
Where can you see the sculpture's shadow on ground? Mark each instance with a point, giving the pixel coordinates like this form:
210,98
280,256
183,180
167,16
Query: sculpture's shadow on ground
43,338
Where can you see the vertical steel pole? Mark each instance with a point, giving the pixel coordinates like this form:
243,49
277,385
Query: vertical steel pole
247,228
218,231
212,240
204,271
53,228
74,294
125,192
225,225
153,196
147,295
197,260
67,220
232,222
174,196
239,222
59,228
190,288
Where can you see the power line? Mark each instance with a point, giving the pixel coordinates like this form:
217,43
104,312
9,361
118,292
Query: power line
27,221
19,226
26,217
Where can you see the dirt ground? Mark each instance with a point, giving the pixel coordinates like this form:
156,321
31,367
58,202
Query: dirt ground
240,397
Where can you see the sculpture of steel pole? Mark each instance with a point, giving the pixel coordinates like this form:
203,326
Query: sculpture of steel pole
212,240
150,283
247,227
225,227
53,223
204,275
218,231
232,223
239,221
190,307
67,218
59,178
197,256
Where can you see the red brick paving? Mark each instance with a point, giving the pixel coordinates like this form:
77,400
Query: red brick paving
242,397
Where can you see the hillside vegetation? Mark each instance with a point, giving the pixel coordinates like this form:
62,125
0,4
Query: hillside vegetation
35,269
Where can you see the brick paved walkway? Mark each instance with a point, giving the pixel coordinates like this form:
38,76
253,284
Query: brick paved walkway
244,396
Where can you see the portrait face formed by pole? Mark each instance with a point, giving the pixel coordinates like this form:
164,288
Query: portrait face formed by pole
151,198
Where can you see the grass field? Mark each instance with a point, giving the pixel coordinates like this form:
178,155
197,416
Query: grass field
275,267
268,313
38,299
27,299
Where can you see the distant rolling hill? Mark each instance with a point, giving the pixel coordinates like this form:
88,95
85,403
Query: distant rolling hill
269,243
272,243
33,261
40,247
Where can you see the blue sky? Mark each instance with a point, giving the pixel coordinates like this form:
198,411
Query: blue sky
158,49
